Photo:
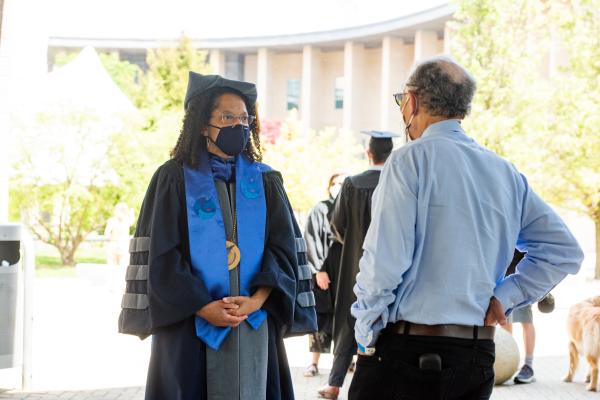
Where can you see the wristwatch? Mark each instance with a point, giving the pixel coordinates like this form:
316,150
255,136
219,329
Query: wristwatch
367,350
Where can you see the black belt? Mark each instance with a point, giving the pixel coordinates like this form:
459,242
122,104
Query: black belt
449,330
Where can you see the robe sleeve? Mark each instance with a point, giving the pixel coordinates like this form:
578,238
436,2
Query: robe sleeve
284,267
331,264
161,288
313,234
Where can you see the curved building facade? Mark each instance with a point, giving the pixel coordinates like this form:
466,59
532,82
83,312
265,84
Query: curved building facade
343,78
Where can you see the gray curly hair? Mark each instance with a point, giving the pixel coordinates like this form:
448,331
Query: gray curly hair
443,87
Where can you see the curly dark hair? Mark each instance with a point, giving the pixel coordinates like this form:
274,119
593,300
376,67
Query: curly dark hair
443,87
191,142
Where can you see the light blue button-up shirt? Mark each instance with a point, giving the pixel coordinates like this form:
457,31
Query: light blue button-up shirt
446,217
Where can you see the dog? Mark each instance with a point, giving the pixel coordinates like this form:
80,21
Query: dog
583,325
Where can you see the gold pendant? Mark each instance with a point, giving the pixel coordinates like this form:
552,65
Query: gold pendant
233,255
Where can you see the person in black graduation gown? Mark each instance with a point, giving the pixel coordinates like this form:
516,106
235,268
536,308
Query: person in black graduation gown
349,223
319,238
168,293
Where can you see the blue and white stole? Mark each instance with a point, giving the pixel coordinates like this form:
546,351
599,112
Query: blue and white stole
207,235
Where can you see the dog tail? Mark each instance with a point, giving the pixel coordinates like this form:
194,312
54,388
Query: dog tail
591,337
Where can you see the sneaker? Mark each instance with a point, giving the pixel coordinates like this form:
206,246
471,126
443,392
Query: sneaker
525,375
311,371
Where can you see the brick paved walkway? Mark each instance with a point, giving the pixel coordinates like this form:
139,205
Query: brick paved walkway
548,387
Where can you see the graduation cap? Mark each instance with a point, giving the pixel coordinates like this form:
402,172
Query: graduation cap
381,134
381,144
199,84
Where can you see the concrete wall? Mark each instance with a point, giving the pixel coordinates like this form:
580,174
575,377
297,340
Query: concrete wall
372,105
332,67
250,68
369,92
284,66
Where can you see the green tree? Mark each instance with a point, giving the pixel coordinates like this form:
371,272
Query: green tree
307,160
63,186
68,178
566,168
135,153
499,42
126,75
545,121
166,79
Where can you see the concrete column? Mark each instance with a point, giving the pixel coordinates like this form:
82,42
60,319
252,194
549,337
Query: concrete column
447,39
263,76
310,84
1,13
353,69
4,114
217,61
426,44
23,67
393,74
4,139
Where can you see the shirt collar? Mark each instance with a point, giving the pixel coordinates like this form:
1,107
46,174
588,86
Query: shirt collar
443,127
375,168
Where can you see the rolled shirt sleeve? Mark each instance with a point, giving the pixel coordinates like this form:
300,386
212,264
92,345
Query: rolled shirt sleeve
552,253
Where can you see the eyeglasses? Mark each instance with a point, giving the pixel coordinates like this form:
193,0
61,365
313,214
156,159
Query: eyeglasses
244,119
398,98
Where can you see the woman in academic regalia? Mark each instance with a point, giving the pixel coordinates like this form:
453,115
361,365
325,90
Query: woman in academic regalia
322,258
218,272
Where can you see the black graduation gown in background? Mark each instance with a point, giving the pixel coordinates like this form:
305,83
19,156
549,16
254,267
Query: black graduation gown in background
349,223
319,238
177,369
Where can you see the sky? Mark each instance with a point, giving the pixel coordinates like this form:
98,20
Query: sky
218,19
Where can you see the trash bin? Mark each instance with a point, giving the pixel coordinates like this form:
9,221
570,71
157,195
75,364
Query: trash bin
10,271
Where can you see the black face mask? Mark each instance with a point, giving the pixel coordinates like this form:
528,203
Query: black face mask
232,139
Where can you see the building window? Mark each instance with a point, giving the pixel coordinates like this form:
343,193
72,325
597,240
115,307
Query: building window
293,94
339,93
234,66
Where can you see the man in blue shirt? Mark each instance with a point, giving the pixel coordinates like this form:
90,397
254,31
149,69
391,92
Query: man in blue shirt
447,216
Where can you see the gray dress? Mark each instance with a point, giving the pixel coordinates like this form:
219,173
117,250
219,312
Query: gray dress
238,370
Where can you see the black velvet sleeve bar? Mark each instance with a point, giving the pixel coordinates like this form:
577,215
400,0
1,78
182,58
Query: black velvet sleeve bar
174,292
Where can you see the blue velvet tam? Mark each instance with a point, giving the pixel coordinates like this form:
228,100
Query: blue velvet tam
199,84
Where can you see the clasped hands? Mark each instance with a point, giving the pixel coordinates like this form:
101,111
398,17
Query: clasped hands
233,310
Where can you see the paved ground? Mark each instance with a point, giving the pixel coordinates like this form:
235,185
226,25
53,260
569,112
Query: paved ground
78,355
548,386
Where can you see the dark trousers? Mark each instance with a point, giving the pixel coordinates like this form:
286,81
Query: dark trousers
393,373
341,363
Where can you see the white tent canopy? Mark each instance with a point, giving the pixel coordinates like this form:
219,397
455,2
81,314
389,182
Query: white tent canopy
84,84
71,122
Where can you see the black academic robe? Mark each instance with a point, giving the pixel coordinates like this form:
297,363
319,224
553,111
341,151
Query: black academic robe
164,304
318,236
349,223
